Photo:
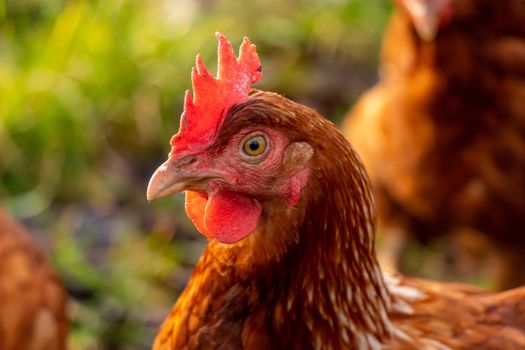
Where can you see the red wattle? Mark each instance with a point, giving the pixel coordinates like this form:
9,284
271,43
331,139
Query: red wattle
226,216
195,208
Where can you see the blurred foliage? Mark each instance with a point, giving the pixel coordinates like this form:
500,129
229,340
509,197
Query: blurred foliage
90,93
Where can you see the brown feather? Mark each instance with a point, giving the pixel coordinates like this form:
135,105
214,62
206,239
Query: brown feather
32,300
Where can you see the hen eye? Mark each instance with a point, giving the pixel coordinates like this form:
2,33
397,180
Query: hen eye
255,145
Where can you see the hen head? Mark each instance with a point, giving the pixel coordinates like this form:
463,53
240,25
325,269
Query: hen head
236,155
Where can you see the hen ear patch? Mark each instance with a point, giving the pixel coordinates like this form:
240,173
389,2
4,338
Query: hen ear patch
204,111
297,157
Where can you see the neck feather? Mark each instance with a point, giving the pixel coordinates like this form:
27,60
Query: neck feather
326,287
339,280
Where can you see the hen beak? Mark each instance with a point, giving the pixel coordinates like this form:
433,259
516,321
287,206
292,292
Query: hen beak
426,15
174,176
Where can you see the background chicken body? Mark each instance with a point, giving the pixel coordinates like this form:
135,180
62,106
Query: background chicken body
32,299
443,133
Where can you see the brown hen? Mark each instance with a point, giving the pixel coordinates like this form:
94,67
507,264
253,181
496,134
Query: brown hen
443,133
305,275
32,300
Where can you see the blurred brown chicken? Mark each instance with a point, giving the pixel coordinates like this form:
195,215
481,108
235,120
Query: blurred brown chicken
443,133
32,300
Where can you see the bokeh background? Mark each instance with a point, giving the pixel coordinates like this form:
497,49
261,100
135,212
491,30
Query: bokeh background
90,93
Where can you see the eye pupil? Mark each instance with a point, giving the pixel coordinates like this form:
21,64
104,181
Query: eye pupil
254,145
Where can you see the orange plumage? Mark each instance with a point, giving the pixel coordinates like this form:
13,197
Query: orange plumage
443,133
307,276
32,300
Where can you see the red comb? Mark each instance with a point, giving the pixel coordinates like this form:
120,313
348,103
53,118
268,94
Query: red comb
213,97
